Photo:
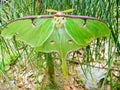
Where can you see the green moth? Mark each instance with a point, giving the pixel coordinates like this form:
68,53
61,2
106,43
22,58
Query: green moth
57,32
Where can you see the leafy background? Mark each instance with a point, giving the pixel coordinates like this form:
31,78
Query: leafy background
14,55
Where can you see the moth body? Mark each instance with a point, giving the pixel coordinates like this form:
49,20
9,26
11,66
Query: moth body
59,20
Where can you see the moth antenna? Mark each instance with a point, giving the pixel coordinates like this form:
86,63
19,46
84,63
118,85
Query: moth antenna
51,10
69,10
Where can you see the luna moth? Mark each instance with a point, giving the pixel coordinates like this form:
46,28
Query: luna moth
57,32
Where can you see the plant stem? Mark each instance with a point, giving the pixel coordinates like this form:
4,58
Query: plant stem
50,66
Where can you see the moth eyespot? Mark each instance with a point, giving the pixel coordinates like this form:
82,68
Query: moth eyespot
52,42
70,41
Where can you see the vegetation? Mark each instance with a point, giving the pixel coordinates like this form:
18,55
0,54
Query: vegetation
21,67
